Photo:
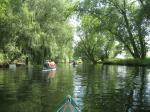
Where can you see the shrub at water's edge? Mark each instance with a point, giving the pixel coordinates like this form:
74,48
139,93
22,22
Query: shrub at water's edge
132,62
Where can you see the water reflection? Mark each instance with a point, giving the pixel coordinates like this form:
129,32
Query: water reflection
48,76
112,88
51,76
99,88
135,93
79,89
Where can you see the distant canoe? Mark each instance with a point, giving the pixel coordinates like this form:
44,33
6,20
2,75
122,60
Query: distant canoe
48,69
69,105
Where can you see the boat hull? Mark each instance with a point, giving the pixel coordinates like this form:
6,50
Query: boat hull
49,69
69,105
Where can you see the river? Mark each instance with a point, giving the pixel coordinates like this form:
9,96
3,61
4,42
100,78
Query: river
99,88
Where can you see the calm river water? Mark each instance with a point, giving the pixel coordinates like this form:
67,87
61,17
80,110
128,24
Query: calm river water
99,88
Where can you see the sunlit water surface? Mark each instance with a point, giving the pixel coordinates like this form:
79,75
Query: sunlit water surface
99,88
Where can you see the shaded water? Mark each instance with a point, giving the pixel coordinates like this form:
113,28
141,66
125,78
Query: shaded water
94,88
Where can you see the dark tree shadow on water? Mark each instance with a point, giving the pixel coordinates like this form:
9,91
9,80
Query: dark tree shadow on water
135,98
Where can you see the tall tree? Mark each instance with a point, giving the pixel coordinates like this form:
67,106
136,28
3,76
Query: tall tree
94,45
122,19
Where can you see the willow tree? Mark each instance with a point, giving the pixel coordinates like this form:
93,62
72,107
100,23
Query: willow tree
8,30
38,28
5,24
122,18
58,31
95,44
135,28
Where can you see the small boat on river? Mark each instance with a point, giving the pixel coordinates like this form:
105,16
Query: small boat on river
49,66
69,105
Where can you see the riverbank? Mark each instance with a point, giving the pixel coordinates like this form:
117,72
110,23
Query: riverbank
6,65
128,62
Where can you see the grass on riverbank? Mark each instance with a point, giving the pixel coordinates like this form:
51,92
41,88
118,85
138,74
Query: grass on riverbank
131,62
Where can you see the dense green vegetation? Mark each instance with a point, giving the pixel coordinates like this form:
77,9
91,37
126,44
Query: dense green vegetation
40,29
128,62
37,29
109,27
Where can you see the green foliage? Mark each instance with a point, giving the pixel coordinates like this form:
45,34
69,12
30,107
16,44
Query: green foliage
129,62
38,29
95,42
145,7
2,58
119,21
13,52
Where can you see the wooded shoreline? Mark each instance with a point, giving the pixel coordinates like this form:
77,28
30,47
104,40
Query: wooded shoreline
124,62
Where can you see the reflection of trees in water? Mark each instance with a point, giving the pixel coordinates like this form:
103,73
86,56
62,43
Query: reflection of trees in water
135,98
79,86
100,92
48,76
114,88
51,75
